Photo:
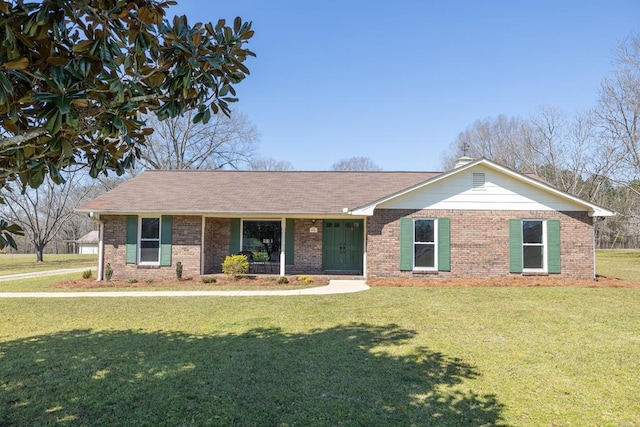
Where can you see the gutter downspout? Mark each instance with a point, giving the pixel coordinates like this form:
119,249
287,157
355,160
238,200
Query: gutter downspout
596,221
96,217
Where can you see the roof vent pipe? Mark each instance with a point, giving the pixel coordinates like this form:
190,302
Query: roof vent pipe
464,160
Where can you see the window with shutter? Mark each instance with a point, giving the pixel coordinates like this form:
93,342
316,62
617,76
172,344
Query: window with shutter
425,244
534,246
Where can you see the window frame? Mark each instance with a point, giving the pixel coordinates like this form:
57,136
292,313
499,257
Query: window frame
141,239
434,243
544,244
274,244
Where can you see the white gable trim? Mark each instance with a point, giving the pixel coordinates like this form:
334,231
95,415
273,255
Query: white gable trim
593,209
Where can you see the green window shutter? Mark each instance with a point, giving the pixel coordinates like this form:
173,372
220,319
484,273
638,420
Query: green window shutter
444,244
515,246
131,247
234,244
406,244
289,239
165,239
553,245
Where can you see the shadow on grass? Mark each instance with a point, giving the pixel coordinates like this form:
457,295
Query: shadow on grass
266,377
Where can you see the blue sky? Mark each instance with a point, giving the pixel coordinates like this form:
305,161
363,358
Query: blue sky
397,81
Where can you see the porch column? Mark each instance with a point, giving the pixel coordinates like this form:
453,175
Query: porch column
100,251
364,251
283,229
202,247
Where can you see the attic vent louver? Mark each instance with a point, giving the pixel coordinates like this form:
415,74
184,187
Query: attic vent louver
478,181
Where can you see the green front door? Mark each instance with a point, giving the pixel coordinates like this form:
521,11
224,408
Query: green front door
342,243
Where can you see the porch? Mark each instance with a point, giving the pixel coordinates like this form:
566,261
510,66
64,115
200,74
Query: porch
286,246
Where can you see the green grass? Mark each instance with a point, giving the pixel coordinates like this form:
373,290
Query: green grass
388,356
619,263
26,263
37,284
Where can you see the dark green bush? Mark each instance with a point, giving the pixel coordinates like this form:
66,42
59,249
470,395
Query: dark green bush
108,272
179,270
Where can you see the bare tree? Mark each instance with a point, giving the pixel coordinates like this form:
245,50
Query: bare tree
619,107
569,154
44,212
506,140
271,164
356,164
178,143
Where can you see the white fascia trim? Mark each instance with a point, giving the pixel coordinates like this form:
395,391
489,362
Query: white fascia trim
594,210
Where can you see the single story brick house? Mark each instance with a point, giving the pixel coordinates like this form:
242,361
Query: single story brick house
480,219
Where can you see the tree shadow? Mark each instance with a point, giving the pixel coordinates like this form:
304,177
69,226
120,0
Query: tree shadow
345,375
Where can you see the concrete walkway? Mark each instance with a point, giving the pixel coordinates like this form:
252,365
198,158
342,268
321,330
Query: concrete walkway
334,287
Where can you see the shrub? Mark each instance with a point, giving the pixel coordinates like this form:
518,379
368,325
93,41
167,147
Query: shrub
87,274
283,280
179,270
108,272
208,279
260,256
235,266
132,280
269,279
305,279
148,281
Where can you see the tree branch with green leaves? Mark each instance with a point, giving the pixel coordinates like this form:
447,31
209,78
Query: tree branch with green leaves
76,78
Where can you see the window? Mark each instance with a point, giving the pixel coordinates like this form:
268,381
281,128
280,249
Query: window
263,238
533,245
149,241
424,244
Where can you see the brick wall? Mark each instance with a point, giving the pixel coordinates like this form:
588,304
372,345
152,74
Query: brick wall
185,248
479,242
307,248
217,235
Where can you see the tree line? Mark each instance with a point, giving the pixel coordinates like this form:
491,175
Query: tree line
594,154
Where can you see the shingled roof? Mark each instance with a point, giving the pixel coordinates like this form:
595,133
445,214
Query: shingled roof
251,192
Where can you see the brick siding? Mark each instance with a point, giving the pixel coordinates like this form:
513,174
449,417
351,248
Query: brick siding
307,248
479,242
185,248
217,235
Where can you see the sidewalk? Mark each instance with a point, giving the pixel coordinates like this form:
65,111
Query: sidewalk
334,287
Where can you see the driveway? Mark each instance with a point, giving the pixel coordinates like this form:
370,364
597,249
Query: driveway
44,273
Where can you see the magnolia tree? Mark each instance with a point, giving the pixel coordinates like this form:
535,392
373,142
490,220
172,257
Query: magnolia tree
76,78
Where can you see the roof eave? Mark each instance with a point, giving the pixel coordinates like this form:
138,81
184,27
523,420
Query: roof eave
593,209
225,214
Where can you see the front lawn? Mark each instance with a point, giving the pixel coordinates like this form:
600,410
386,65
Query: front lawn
26,263
621,264
388,356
